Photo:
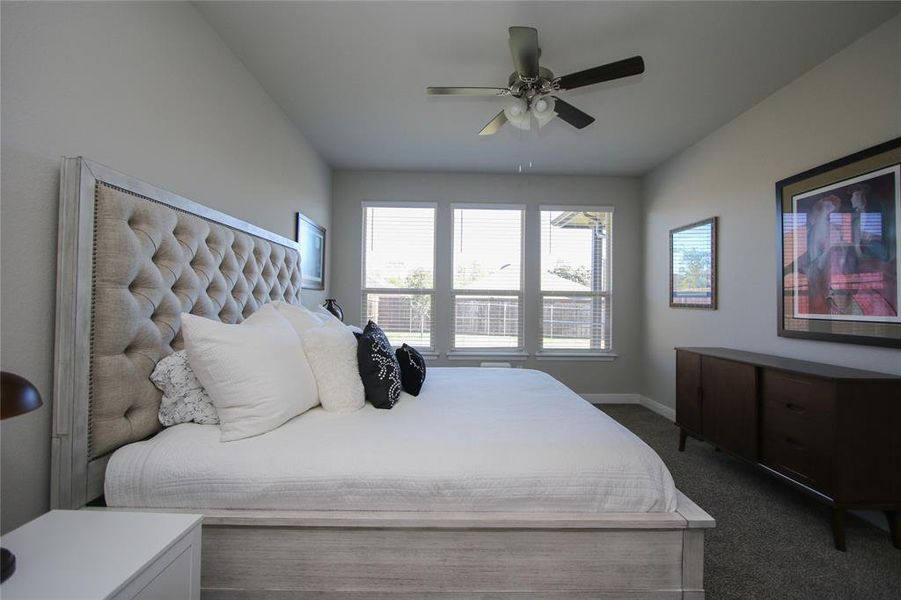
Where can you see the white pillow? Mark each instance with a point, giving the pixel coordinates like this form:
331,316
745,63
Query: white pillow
332,352
300,317
326,316
184,399
256,373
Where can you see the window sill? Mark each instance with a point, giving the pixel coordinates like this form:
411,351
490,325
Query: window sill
429,354
595,356
487,355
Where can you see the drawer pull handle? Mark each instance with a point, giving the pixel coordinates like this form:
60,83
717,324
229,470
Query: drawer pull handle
794,407
794,443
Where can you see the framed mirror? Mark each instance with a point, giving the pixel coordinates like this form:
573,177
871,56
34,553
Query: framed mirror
692,265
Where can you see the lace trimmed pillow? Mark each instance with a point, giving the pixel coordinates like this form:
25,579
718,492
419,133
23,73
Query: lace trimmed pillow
184,399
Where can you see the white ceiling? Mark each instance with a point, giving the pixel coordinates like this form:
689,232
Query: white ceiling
353,75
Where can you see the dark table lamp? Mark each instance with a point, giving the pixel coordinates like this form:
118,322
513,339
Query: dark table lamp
17,397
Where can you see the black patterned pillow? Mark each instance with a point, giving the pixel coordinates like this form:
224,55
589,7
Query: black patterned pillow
379,369
412,369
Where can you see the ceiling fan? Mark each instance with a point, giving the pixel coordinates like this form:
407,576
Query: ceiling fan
531,88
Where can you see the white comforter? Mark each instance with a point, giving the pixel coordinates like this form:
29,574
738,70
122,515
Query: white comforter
474,440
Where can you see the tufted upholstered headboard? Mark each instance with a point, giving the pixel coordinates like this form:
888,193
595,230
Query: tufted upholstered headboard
132,258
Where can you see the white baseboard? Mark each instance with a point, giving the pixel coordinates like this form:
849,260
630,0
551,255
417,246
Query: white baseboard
652,405
613,398
661,409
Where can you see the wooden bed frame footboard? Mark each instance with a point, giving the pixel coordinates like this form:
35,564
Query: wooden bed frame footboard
281,555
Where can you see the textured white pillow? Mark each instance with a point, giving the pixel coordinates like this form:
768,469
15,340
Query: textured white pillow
256,373
332,352
326,316
300,317
184,399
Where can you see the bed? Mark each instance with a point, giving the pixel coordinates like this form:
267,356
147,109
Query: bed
491,483
473,440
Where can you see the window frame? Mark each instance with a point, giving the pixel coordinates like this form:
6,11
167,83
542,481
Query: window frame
431,292
607,295
464,351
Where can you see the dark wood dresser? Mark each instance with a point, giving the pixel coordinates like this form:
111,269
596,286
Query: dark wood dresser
831,431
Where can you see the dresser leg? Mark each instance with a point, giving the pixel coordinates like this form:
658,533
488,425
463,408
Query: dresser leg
682,437
838,528
894,526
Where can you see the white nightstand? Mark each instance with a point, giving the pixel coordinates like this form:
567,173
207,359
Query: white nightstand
75,554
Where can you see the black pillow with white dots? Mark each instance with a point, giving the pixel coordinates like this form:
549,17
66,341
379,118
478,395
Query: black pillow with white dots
379,369
412,369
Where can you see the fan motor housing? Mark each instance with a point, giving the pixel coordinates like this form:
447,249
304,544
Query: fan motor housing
542,85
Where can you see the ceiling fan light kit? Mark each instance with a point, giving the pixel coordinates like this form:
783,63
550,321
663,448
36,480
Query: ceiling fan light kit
517,113
531,87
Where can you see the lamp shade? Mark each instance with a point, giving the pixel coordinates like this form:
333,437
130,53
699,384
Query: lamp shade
17,396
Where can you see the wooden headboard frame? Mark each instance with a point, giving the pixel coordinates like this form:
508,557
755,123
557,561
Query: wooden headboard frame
241,267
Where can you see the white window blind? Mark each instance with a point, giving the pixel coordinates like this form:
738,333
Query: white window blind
487,286
575,279
399,271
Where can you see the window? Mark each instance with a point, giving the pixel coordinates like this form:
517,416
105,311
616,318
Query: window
487,286
575,279
399,270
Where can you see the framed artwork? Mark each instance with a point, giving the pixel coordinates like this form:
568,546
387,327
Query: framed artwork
312,253
838,246
692,265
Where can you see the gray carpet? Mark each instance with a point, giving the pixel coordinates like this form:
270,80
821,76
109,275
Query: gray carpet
770,541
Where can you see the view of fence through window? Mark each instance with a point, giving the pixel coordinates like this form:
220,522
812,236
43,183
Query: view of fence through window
575,305
487,283
486,295
399,271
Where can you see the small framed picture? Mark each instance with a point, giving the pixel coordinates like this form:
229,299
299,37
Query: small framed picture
692,266
838,273
312,253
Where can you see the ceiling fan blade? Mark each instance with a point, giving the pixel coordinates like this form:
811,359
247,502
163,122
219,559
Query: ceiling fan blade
494,124
467,91
571,114
615,70
524,48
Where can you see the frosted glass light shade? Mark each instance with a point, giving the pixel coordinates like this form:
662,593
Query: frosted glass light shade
517,113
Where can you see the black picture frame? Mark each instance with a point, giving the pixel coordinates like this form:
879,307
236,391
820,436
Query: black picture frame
696,228
854,251
311,238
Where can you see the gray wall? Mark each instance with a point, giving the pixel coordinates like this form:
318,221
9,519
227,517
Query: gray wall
848,103
350,188
148,89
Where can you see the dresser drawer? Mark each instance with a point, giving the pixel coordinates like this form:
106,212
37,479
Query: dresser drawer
787,455
797,428
798,392
811,428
